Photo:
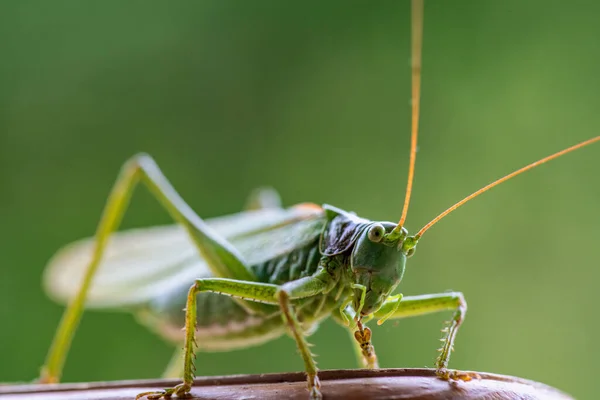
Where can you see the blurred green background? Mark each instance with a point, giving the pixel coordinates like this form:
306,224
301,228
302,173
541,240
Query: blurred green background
313,98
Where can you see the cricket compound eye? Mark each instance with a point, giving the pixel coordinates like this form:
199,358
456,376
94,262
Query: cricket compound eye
376,233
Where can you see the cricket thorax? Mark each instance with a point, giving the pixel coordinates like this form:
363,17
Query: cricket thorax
300,263
290,266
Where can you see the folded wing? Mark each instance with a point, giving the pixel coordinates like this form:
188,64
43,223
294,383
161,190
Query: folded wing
139,264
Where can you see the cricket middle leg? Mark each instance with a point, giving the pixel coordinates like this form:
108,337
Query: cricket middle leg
251,291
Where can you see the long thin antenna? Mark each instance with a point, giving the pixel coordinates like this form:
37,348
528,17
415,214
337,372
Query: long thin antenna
416,45
503,179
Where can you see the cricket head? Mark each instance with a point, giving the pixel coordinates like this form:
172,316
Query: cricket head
376,254
378,261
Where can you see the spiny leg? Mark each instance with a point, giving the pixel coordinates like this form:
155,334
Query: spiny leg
309,362
221,256
254,291
310,366
410,306
320,283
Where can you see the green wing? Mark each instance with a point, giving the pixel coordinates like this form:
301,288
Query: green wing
139,263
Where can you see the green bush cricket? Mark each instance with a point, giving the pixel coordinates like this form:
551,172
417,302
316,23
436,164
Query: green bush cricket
284,270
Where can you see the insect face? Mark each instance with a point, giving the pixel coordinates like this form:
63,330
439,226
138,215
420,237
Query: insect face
378,260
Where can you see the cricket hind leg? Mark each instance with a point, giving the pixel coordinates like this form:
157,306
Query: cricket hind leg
409,306
320,282
220,255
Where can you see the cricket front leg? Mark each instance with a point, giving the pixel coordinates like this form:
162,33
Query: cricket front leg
221,257
319,283
410,306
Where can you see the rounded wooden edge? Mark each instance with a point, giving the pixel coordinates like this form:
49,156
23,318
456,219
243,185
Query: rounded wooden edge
405,383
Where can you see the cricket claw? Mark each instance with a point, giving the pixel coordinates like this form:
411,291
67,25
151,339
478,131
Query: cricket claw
153,395
313,386
181,390
455,375
315,394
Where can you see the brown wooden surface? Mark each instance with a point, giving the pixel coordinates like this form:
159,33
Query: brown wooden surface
336,384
